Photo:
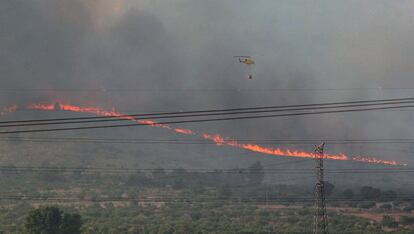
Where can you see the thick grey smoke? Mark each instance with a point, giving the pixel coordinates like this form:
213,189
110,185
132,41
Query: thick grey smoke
51,45
131,49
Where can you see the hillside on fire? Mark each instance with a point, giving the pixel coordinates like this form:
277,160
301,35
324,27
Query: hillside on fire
191,116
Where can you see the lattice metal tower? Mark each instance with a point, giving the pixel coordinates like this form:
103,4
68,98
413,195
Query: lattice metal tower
320,220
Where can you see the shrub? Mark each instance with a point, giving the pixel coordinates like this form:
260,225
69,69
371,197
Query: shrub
388,221
51,220
405,220
386,206
408,208
368,192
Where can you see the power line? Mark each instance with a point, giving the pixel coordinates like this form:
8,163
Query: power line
135,110
158,116
201,141
287,107
201,171
203,120
103,90
248,200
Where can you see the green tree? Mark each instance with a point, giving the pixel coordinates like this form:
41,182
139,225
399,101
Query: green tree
51,220
406,220
388,221
71,224
348,194
368,192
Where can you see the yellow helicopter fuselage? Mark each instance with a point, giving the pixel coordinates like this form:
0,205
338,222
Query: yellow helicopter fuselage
248,61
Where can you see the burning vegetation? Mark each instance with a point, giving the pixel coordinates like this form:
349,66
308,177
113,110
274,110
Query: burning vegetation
216,138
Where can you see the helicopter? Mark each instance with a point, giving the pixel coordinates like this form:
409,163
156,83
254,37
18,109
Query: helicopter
248,61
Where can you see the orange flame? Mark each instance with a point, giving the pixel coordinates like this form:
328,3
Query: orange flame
184,131
374,160
217,139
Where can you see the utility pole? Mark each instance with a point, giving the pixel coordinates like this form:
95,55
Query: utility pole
320,220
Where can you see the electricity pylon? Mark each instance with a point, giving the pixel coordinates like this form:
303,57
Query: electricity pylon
320,220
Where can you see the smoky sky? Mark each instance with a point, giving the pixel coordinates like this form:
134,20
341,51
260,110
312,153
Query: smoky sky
165,55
